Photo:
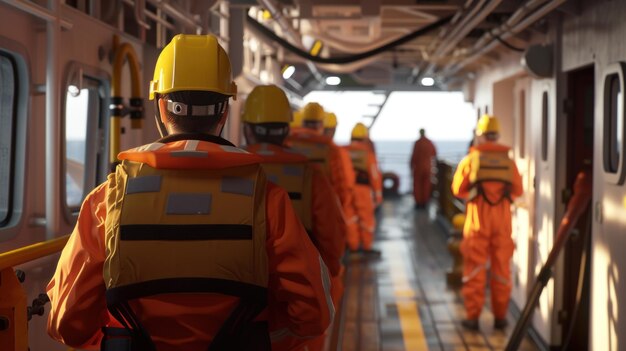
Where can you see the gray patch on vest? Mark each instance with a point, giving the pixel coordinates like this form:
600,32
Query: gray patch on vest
186,153
188,204
144,184
240,186
292,171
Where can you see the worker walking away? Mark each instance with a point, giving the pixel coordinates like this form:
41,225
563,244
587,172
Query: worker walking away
421,167
489,180
266,117
366,175
186,246
333,161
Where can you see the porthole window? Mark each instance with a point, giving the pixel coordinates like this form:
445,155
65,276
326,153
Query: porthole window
8,99
613,123
545,125
85,116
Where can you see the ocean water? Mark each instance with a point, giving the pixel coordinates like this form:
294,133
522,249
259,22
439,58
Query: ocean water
395,156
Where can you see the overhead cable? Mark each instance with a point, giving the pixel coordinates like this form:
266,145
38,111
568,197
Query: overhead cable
345,59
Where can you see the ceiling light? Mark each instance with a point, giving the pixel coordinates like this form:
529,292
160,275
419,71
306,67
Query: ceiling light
264,76
333,80
288,71
428,81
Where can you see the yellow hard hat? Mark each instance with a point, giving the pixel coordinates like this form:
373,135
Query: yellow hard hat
297,119
360,131
267,104
193,62
458,221
330,120
487,124
313,112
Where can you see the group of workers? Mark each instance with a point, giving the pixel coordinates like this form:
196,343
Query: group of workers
193,243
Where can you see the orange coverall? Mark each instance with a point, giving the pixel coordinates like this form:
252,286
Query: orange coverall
486,236
299,302
327,216
339,173
378,184
421,166
364,198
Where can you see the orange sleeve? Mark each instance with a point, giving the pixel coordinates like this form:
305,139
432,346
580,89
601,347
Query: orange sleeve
328,223
517,189
376,177
342,175
460,182
77,291
299,284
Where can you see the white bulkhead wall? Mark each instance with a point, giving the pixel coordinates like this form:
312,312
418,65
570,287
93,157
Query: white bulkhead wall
79,45
596,37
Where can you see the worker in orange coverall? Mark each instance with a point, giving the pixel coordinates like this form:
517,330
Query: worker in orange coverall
422,167
187,246
266,117
489,180
333,160
367,175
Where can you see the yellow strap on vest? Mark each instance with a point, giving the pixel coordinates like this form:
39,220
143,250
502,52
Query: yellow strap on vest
297,180
177,223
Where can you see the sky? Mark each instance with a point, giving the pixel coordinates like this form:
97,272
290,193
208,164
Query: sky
444,115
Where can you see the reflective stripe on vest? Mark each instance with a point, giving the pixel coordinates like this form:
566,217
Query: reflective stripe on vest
197,227
296,179
315,152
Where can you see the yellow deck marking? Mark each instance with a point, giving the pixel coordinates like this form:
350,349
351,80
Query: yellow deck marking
412,330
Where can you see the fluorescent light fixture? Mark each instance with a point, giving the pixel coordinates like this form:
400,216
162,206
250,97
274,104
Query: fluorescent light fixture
289,71
333,80
428,81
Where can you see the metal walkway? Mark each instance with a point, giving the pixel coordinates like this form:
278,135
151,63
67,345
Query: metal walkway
400,301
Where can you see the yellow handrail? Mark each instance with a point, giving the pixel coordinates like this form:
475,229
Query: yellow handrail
123,53
32,252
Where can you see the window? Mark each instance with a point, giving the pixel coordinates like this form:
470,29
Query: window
8,95
84,149
522,123
613,123
545,124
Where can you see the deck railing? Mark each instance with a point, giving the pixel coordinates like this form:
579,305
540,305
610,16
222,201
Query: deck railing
14,311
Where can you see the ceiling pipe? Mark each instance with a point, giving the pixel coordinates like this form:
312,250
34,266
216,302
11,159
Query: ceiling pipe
290,33
476,15
507,30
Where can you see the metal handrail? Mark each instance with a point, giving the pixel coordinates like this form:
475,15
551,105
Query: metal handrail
32,252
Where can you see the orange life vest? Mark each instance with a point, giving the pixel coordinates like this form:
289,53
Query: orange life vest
186,217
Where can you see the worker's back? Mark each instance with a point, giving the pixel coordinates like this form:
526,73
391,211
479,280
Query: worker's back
185,232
